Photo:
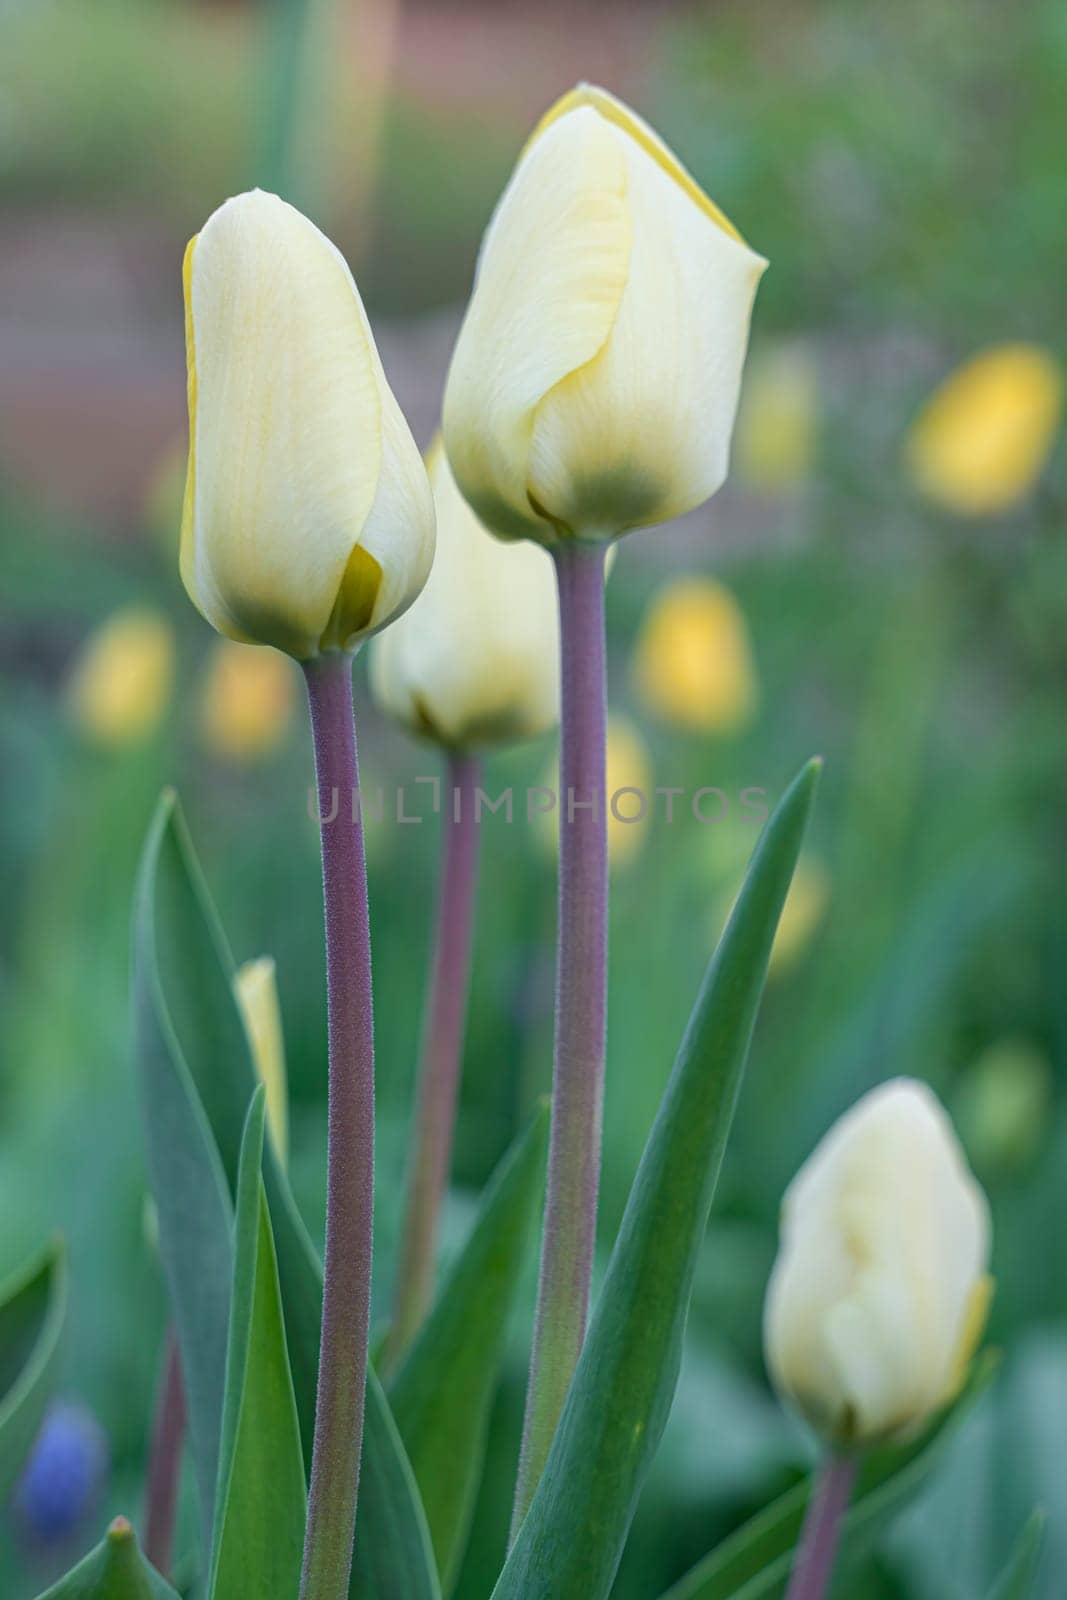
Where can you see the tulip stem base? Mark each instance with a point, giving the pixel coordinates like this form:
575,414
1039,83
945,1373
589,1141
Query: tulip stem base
569,1235
440,1065
350,1140
817,1551
164,1462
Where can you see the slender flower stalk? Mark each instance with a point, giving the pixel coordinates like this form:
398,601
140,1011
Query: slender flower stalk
569,1235
442,1055
164,1462
350,1141
814,1564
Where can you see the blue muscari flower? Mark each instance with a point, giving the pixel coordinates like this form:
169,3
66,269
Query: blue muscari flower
63,1477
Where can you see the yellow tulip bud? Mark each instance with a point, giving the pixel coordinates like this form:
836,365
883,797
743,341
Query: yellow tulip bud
595,379
694,664
246,701
804,909
476,659
982,441
308,520
778,424
121,684
257,996
880,1291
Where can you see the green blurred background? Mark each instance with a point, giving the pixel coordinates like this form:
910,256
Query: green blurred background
901,167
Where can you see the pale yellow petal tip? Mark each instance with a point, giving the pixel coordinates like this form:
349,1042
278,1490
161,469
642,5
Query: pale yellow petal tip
622,116
984,437
256,992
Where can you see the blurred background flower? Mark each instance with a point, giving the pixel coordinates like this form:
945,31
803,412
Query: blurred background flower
121,683
983,438
693,664
247,695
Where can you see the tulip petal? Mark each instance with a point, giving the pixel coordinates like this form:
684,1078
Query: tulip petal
655,409
550,282
285,423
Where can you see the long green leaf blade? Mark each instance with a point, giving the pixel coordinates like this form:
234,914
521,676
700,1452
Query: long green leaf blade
393,1557
572,1538
260,1501
754,1563
188,1181
443,1390
1017,1580
33,1307
115,1570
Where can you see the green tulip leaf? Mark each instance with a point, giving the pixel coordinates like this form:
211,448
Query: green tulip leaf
1017,1580
115,1570
188,1181
571,1540
258,1545
442,1393
208,1069
754,1563
33,1306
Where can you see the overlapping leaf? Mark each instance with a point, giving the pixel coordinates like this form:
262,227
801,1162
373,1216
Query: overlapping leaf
260,1500
443,1391
754,1562
32,1309
1017,1580
572,1538
115,1570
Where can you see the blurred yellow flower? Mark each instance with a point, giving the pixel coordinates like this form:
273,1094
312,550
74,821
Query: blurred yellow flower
121,683
693,664
630,795
257,995
246,701
981,442
778,423
804,909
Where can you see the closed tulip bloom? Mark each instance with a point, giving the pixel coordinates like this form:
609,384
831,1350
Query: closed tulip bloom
256,989
121,684
308,521
694,664
595,380
880,1292
246,702
475,661
985,436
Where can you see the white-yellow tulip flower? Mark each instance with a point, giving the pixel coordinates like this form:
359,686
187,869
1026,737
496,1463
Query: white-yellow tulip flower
595,380
880,1292
476,660
255,986
308,520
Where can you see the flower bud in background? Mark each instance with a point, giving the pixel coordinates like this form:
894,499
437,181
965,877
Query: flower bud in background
802,914
246,701
693,665
308,521
984,438
630,790
1002,1105
475,661
121,684
64,1479
778,423
595,380
257,995
879,1293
